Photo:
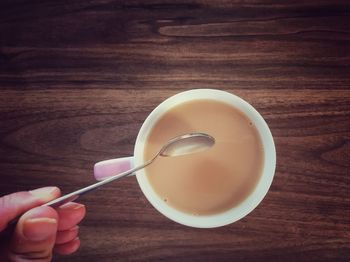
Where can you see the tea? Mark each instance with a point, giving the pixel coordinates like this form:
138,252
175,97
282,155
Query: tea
211,181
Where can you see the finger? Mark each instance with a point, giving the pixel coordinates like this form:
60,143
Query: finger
35,235
68,248
66,235
70,215
16,204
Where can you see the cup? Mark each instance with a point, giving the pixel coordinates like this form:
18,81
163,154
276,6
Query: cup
107,168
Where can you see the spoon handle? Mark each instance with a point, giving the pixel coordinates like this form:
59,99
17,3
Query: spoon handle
76,194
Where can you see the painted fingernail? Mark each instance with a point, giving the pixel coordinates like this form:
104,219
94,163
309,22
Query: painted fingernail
45,193
38,229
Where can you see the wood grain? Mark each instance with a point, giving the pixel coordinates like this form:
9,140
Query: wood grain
78,78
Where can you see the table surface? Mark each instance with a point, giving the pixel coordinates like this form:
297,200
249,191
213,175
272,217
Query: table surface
78,78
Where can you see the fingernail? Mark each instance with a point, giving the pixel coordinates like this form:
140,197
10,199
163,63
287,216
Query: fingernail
74,228
72,206
38,229
44,193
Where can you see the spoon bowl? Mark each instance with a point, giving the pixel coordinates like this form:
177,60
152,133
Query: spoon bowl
187,144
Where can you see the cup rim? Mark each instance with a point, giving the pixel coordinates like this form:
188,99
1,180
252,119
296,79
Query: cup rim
247,205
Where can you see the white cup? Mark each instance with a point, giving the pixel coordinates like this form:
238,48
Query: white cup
114,166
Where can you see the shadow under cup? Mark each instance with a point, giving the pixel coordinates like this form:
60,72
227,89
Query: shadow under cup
247,205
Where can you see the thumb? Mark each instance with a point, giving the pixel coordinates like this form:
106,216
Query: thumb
16,204
34,236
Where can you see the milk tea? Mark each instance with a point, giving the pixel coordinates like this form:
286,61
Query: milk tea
212,181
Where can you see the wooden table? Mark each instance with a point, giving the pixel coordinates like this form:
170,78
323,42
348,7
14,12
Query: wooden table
78,78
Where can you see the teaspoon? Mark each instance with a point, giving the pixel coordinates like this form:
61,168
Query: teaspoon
180,145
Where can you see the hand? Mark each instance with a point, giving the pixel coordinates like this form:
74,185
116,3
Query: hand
41,229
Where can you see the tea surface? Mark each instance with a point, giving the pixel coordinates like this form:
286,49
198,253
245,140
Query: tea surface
214,180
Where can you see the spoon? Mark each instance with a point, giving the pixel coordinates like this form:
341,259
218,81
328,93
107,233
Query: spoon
180,145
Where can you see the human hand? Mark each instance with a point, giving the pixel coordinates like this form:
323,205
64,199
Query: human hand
41,229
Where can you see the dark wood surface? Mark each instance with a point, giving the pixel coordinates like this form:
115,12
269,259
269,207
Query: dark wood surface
77,79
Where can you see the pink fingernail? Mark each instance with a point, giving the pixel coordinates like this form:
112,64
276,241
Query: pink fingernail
45,193
72,206
38,229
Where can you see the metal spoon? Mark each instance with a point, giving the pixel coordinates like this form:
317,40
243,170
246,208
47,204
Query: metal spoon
180,145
